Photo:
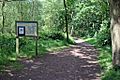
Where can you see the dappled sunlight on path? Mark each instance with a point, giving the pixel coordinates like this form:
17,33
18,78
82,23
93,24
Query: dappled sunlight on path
79,62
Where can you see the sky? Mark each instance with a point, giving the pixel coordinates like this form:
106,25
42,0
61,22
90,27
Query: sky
38,0
41,0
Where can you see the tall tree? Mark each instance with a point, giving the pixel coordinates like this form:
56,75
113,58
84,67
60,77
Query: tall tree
115,30
3,16
66,20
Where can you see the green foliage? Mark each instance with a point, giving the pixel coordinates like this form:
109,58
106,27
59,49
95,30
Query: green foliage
7,47
86,18
105,60
52,35
90,18
112,75
51,45
103,36
27,48
88,15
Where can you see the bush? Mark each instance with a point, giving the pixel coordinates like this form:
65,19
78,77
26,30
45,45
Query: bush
103,37
52,35
7,45
7,48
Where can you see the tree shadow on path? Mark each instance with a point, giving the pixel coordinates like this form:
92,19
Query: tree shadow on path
79,62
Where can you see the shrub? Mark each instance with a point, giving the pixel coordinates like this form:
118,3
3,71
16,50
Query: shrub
7,45
52,35
103,37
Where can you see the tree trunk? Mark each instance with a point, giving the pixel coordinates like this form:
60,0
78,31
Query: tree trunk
115,31
71,31
20,11
3,17
66,20
33,9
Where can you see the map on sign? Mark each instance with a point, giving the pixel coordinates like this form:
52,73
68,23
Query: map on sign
26,28
21,30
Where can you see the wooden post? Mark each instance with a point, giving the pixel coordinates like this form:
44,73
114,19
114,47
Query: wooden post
36,38
17,37
17,46
36,46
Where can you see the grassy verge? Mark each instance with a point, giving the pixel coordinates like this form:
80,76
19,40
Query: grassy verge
28,51
51,45
105,60
44,46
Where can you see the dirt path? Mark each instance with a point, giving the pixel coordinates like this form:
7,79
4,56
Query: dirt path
79,62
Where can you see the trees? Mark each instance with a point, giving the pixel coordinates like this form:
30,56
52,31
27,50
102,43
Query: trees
115,30
84,18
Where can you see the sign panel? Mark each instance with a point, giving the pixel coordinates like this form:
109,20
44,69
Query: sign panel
27,28
21,30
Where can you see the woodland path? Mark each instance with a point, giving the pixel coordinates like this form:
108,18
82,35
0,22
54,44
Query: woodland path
79,62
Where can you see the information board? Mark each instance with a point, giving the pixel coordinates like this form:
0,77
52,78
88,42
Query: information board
27,28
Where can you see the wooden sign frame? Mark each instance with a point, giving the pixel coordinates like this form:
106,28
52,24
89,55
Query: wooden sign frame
25,22
23,34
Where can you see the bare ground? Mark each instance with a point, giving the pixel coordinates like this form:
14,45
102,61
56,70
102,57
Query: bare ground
79,62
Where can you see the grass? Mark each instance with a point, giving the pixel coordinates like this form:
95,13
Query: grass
44,46
28,51
105,60
51,45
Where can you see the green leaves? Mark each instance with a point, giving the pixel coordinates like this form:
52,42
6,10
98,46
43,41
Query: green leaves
103,36
7,45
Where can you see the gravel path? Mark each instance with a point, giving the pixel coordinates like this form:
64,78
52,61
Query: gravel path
79,62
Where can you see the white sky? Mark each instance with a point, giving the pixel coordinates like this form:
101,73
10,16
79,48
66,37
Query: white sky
38,0
41,0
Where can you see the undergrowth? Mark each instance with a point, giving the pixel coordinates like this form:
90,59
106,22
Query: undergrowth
105,60
47,42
